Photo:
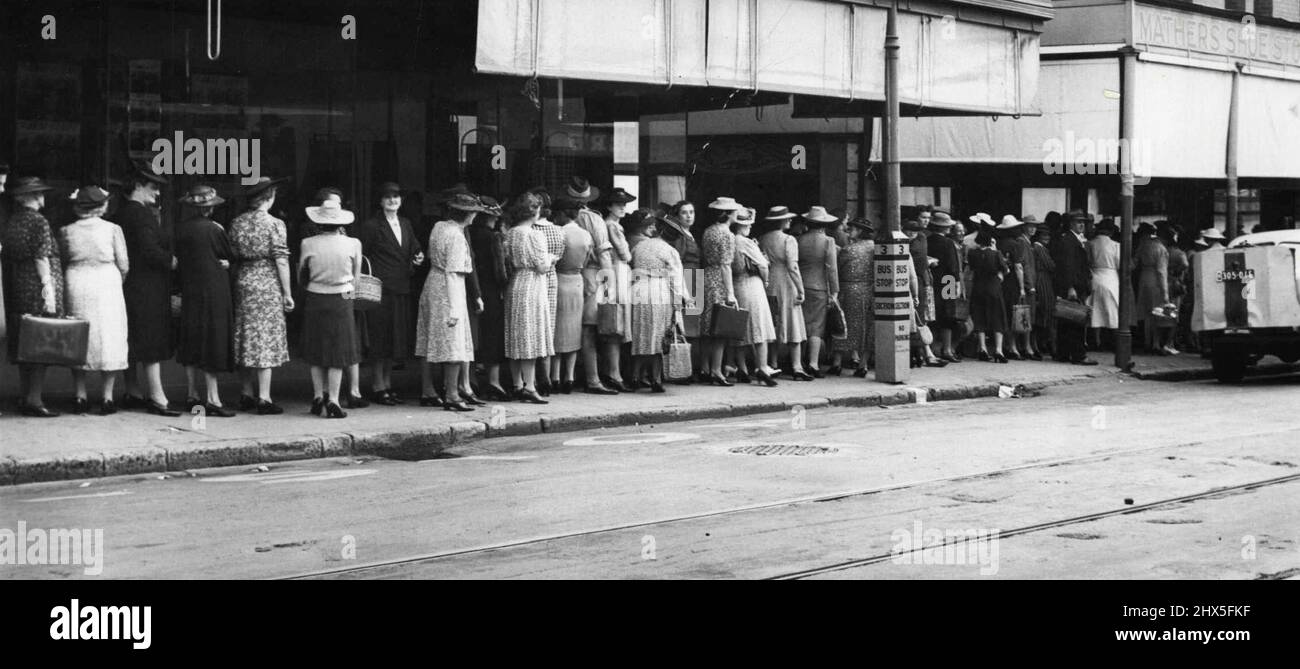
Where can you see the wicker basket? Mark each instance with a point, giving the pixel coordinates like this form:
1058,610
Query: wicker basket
369,289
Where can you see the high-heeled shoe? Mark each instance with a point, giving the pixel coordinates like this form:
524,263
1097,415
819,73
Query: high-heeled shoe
247,403
191,402
800,376
470,399
544,388
1000,358
596,389
265,408
765,378
937,362
566,387
356,402
497,393
107,408
983,356
742,377
132,402
617,385
382,397
317,405
212,410
834,370
160,410
333,410
716,380
860,372
456,405
81,406
657,387
37,411
430,401
531,397
1013,355
816,373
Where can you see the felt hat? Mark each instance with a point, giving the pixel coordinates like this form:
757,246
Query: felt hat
619,196
88,197
28,185
581,190
202,195
464,202
725,204
940,220
779,214
261,186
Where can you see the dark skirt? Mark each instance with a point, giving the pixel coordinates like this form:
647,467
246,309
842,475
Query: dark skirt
490,328
329,333
388,329
987,308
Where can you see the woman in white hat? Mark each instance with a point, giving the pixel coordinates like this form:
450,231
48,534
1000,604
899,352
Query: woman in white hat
330,266
718,254
819,266
785,289
749,275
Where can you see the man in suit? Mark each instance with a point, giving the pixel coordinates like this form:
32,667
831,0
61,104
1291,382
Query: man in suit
1072,280
389,243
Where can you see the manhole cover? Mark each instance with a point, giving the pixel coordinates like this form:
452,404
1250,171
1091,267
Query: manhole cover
781,449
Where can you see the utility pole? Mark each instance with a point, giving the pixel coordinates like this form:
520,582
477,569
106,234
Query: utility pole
893,261
1128,122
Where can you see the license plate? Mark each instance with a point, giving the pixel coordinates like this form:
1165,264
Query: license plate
1242,275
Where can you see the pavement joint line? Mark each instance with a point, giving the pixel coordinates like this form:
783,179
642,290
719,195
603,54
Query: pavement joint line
250,450
825,497
1037,527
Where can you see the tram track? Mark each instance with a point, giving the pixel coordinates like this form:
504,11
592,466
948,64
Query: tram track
433,557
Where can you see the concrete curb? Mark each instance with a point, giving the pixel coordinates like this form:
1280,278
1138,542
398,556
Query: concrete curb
428,442
1204,373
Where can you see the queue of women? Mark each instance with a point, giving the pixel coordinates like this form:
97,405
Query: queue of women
549,293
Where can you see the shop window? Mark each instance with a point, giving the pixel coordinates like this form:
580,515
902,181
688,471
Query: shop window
1039,201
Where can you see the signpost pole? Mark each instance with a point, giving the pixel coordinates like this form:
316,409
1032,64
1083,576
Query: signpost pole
893,262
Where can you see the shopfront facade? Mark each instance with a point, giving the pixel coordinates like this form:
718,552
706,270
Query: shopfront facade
1199,70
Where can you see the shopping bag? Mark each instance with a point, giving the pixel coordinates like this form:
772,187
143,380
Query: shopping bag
728,322
609,318
836,326
1021,319
53,341
677,355
369,290
960,309
1069,310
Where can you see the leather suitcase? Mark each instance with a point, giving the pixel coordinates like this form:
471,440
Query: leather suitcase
53,341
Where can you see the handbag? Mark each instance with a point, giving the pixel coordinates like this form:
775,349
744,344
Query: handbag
1069,310
930,315
728,322
609,318
677,355
369,291
1021,318
836,326
53,341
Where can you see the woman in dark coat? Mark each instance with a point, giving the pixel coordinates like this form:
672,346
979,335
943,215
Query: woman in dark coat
1045,304
33,283
388,242
206,342
490,269
946,276
987,308
147,290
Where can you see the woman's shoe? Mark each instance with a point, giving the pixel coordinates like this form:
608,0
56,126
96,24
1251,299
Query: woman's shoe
566,387
531,397
999,358
591,389
860,372
1014,355
617,385
81,406
160,410
983,356
716,380
37,411
657,387
800,376
834,370
1035,356
247,403
191,402
356,402
497,393
107,408
816,373
333,410
385,398
742,377
765,378
937,362
265,408
430,401
456,405
470,399
544,388
392,397
317,405
213,410
132,402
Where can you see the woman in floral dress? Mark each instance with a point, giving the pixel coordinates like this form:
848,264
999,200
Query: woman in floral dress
718,252
443,333
857,290
529,331
785,289
33,282
749,275
262,296
658,290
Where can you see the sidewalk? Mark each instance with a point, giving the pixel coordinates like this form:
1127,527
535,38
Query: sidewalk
71,446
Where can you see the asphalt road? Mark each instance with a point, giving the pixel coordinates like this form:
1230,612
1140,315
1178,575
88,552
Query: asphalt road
1104,479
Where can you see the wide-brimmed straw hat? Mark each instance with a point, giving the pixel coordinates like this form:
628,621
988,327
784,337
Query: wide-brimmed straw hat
202,195
581,190
465,202
1010,222
779,214
819,214
490,205
982,219
1212,233
725,204
29,185
330,213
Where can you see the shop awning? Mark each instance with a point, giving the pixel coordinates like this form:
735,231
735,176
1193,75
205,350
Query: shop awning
829,48
1268,131
1182,120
